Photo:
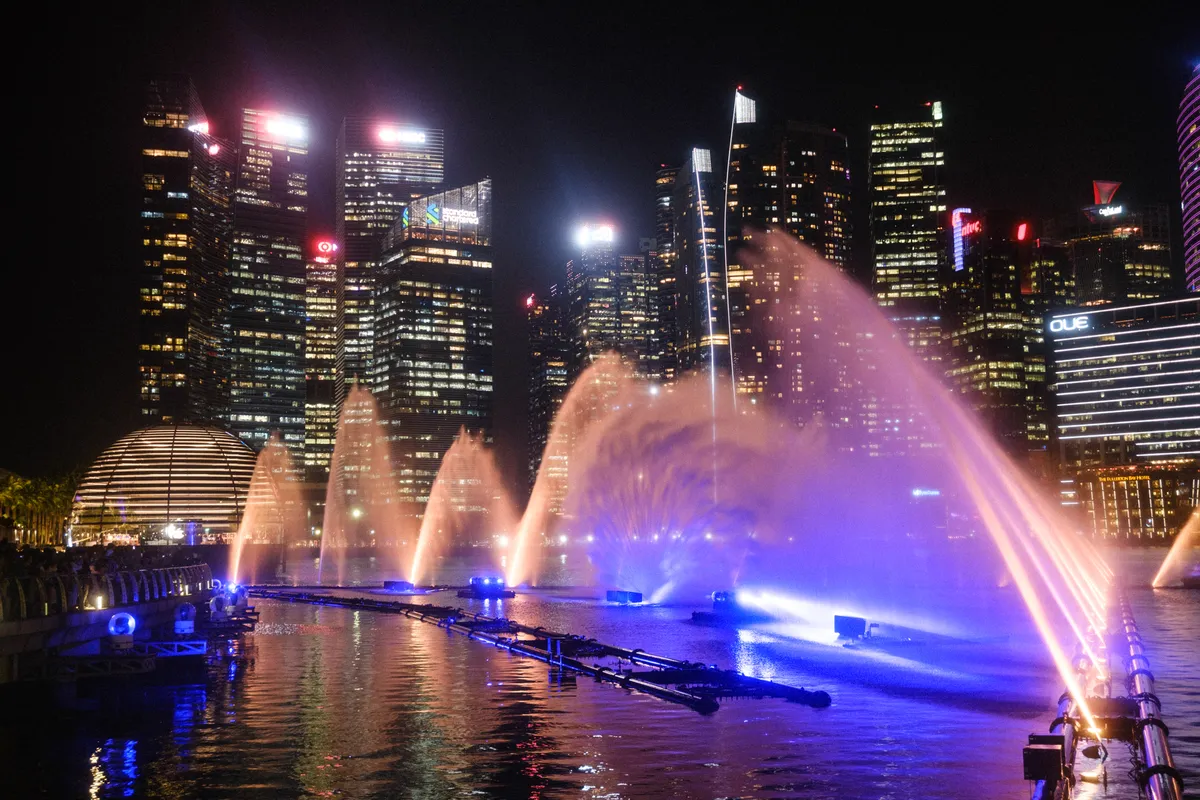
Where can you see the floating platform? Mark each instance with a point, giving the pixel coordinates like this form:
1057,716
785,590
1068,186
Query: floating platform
689,683
622,596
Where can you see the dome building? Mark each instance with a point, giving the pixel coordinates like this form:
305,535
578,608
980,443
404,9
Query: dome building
179,483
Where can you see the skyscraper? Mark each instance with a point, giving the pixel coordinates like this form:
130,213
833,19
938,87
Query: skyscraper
320,360
792,178
701,310
1189,179
593,303
985,321
548,382
908,217
381,166
1119,252
187,182
267,279
433,336
663,269
1127,424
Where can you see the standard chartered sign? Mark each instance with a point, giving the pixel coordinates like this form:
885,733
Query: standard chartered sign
460,215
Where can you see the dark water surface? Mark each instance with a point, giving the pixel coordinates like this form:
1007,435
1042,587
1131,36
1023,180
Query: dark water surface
328,702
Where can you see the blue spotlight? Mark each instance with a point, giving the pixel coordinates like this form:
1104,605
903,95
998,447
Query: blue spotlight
121,624
483,586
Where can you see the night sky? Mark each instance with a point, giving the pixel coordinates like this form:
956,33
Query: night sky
569,109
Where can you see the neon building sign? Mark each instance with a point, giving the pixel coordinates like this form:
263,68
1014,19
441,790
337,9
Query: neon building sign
460,215
325,251
1069,324
1110,211
956,223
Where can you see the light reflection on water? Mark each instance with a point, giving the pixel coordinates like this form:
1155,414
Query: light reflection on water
325,702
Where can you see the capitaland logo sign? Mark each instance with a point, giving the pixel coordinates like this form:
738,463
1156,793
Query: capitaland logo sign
1065,324
1110,211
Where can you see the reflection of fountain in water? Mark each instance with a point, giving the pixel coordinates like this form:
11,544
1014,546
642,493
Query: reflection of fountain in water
467,503
362,506
274,515
1184,555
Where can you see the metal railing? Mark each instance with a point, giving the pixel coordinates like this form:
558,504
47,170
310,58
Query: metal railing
33,597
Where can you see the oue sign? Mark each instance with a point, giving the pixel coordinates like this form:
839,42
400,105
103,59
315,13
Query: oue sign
1070,324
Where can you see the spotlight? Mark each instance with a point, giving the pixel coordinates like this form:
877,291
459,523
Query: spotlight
486,586
185,619
121,624
120,631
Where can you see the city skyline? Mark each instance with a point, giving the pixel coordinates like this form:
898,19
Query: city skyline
525,264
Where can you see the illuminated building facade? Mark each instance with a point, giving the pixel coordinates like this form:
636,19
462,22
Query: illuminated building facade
267,280
986,333
908,217
433,333
548,384
593,301
188,183
793,178
1119,253
185,484
381,166
320,360
663,270
1189,179
701,310
1127,413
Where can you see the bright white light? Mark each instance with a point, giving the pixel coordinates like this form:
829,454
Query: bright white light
173,531
356,513
1110,211
401,135
502,541
743,108
286,128
591,538
199,127
654,390
701,160
593,234
213,149
708,536
562,538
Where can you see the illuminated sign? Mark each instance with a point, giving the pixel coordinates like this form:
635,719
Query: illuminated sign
460,215
286,128
926,493
1118,478
956,224
972,228
1072,324
199,127
404,218
1022,231
401,136
591,234
529,301
1110,211
326,247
